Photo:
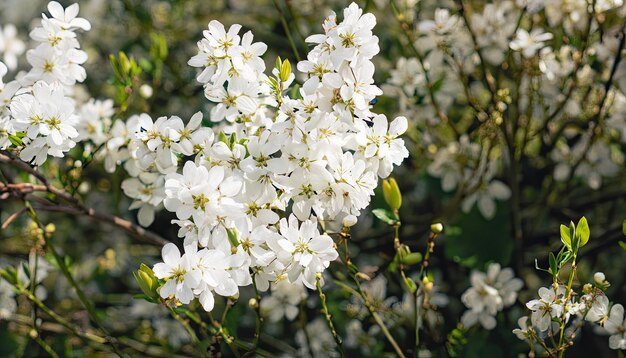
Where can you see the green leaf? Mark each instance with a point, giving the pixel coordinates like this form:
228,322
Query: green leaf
386,216
413,258
582,232
622,244
553,265
573,237
565,237
437,85
144,297
410,284
15,140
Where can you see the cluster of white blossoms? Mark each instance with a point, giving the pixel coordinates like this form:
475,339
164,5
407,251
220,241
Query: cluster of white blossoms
36,114
490,293
317,155
453,46
555,305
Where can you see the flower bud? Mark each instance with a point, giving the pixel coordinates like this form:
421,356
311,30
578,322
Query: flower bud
285,70
146,91
412,259
599,277
436,228
391,193
147,281
349,221
233,237
253,303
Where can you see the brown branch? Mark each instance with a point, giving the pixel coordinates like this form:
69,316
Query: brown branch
11,218
22,190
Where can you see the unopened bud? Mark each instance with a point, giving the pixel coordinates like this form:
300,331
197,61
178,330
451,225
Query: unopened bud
233,237
412,259
285,71
147,281
146,91
349,220
253,303
391,193
599,277
436,228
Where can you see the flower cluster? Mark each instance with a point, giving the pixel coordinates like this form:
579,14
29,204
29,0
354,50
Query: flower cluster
35,112
318,155
555,305
490,293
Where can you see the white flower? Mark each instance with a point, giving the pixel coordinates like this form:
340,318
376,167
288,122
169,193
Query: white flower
485,196
66,18
8,306
10,46
545,308
489,294
182,277
530,43
525,331
599,311
616,326
311,252
322,344
284,301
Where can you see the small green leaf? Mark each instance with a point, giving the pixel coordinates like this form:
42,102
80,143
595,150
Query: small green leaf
410,284
582,232
15,140
386,216
622,244
553,266
437,85
413,258
573,238
565,237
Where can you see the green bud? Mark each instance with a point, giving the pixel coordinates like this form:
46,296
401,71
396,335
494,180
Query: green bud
285,70
233,237
412,259
436,228
147,281
410,284
222,137
403,251
392,194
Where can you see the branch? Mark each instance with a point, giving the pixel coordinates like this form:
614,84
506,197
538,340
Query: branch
75,207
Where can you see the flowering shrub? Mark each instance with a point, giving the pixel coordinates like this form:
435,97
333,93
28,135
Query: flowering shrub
255,222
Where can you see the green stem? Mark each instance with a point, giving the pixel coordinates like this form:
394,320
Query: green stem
328,317
568,292
372,311
287,30
66,272
259,317
184,323
46,347
62,321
